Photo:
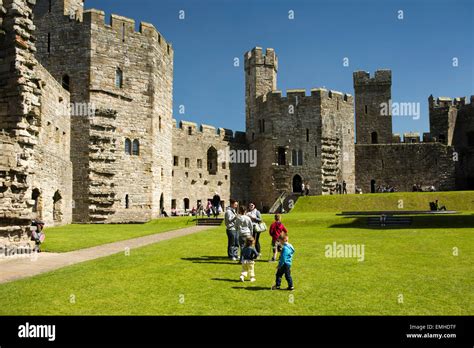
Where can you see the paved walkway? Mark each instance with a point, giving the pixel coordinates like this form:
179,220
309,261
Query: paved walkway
19,268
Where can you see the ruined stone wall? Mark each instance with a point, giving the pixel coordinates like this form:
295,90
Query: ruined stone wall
53,168
370,93
192,177
20,119
402,165
63,48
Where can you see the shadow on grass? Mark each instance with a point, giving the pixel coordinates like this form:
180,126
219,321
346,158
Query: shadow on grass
419,222
254,288
227,280
218,260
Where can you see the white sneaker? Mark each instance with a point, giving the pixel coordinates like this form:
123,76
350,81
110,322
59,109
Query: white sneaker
253,280
242,279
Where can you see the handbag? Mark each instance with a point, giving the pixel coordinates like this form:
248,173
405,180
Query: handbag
260,227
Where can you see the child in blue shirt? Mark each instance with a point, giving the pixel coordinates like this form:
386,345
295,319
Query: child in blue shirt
284,266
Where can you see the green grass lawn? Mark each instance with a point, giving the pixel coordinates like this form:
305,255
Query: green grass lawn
461,201
191,276
74,237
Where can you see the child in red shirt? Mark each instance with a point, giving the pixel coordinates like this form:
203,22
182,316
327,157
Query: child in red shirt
276,230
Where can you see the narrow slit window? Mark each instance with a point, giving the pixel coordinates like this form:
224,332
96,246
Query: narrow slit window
119,78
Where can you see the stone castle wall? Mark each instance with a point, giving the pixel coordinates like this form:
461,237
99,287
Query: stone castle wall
105,177
403,165
370,93
52,165
453,119
144,111
32,132
198,174
320,127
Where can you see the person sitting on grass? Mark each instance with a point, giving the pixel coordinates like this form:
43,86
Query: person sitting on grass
276,230
284,266
438,208
249,254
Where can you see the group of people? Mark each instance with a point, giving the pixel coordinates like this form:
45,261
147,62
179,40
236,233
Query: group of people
305,189
419,188
244,226
341,188
385,189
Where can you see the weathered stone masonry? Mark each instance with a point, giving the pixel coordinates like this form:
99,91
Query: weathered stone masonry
35,171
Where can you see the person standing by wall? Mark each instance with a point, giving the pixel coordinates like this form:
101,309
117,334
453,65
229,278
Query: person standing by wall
232,235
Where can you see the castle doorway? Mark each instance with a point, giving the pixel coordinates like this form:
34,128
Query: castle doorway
372,186
57,206
38,204
297,184
162,202
186,204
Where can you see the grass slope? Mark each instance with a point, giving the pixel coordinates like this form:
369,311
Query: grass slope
74,237
461,201
190,276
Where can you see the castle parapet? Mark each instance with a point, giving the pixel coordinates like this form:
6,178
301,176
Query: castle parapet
316,94
125,27
381,77
256,57
447,102
193,129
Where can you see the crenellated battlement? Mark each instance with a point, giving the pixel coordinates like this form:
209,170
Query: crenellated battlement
125,27
447,102
256,57
315,96
381,77
193,129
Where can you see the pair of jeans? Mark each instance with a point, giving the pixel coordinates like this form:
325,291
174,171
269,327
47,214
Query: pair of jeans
232,244
284,270
256,236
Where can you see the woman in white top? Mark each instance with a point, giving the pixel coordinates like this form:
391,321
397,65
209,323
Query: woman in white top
256,218
244,227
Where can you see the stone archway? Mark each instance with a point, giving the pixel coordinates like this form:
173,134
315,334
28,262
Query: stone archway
57,207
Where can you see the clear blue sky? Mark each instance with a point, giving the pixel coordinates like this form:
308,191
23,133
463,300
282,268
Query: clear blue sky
418,49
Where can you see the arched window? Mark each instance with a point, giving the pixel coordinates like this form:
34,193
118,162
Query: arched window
127,202
136,148
375,139
128,146
119,78
66,82
212,161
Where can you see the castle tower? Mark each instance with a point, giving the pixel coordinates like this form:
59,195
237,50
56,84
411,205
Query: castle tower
260,78
443,115
372,124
